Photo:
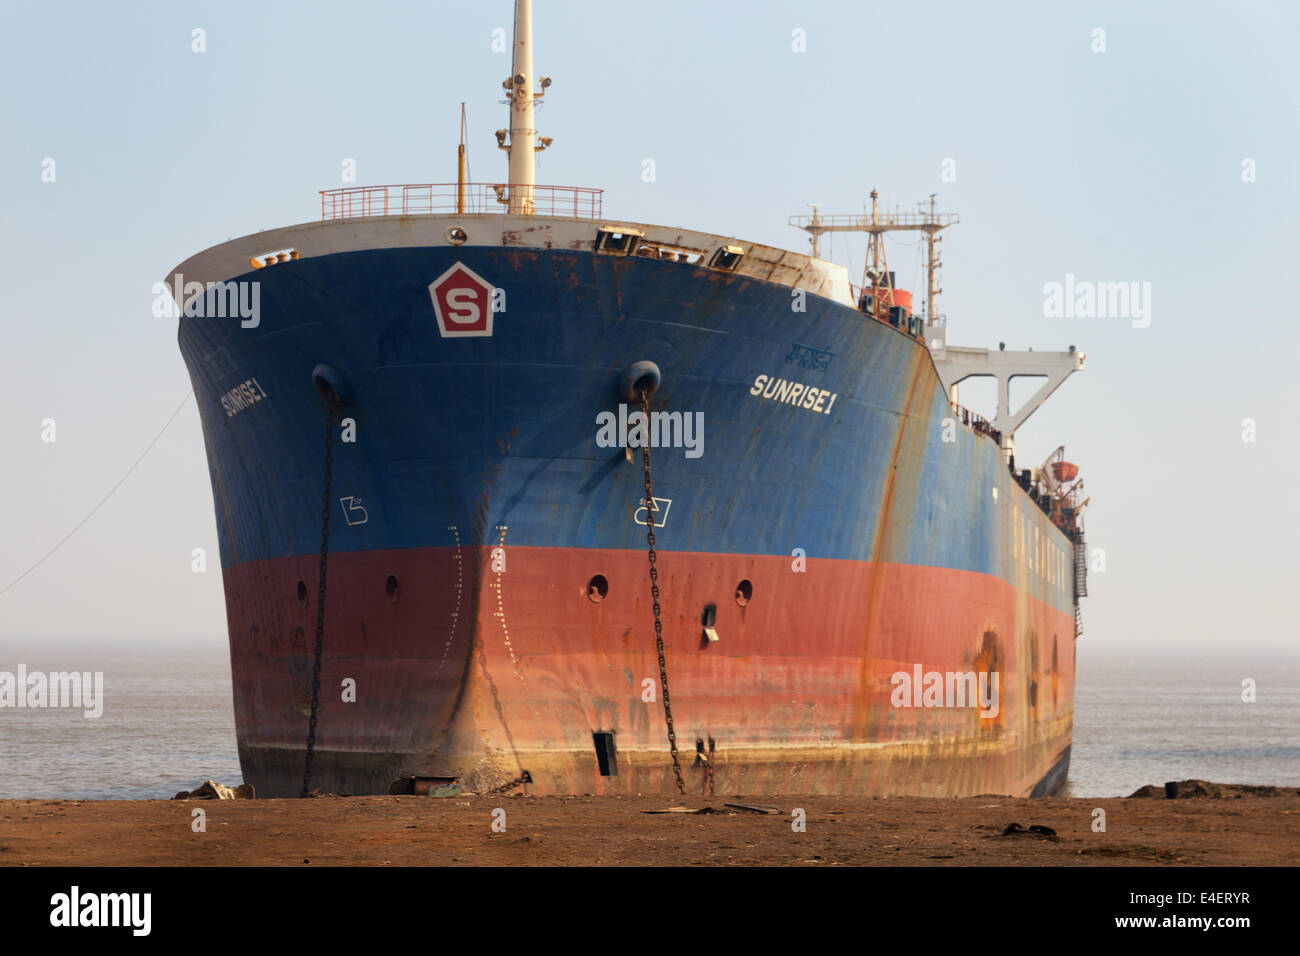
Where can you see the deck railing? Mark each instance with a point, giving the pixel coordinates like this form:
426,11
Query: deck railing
422,199
977,423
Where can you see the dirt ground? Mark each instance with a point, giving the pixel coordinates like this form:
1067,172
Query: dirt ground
615,831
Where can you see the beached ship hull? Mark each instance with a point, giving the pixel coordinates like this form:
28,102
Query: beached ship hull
488,590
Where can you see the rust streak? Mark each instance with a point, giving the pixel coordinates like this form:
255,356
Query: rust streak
883,539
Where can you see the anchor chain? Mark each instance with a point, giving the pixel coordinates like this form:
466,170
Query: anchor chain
320,598
524,778
654,591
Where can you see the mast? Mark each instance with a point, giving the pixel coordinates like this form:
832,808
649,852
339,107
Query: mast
954,364
460,166
876,264
875,272
521,97
873,243
815,234
931,265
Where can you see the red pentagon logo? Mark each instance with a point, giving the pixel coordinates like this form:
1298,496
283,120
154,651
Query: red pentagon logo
462,301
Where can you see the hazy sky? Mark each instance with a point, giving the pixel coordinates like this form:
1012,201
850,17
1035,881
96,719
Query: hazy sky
1122,165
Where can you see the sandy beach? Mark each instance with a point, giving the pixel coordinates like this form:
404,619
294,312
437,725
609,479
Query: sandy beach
519,830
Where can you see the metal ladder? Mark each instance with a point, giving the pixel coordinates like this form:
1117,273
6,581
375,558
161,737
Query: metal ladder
1080,584
1080,570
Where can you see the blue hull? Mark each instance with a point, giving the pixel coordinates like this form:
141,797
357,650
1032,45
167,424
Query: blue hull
481,432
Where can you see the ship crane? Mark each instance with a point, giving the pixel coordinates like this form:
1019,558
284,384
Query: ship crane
954,364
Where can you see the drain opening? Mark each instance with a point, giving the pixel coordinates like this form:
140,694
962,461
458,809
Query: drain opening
710,619
392,589
744,591
606,755
302,593
597,588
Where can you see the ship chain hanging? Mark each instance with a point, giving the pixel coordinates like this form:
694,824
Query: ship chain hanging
522,780
320,597
654,592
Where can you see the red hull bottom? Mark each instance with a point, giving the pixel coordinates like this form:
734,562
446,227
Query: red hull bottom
439,664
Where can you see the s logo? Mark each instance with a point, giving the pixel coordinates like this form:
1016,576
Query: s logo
463,306
462,301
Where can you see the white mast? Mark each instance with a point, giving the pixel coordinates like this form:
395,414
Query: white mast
523,136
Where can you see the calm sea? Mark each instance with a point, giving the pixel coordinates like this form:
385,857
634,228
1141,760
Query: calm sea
1150,717
167,723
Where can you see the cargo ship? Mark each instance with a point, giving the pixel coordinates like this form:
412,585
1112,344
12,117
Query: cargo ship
511,493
